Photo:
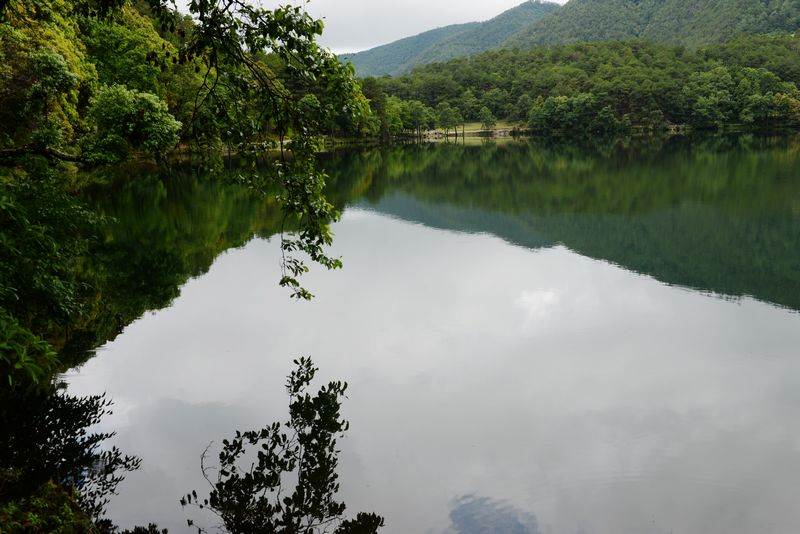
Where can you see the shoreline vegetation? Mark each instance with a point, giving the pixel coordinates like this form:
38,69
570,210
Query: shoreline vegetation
750,82
87,85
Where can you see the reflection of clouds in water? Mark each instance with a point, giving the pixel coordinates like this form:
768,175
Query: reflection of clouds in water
479,515
638,401
538,304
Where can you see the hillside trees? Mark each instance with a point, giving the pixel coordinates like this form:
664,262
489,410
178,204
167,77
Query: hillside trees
442,44
600,87
685,22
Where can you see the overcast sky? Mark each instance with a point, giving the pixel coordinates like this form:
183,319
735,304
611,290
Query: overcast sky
353,25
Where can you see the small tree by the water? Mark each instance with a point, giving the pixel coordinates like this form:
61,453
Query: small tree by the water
488,121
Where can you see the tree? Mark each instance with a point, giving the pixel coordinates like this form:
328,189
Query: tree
448,117
261,82
420,116
246,494
260,68
126,120
470,105
710,97
522,107
487,119
496,99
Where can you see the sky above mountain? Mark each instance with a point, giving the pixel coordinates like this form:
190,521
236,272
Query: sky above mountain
354,25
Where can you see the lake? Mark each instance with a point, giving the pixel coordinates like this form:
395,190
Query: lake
539,337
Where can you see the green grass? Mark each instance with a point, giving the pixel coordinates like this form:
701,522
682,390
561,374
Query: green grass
501,125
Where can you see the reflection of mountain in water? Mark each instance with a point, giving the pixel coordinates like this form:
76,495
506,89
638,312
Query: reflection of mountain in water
448,217
740,261
721,217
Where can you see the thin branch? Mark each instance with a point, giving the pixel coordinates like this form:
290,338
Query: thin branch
28,150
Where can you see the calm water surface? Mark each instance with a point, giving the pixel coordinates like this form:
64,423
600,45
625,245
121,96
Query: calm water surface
537,338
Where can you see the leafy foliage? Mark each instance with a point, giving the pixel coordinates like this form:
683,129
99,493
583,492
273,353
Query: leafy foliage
248,494
51,508
125,120
25,359
96,81
267,78
44,233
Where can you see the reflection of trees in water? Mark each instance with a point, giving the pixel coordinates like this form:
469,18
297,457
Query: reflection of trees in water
249,490
721,215
718,214
725,206
55,470
46,440
481,515
162,231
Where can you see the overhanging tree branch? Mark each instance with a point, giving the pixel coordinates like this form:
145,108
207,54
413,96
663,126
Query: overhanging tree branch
46,151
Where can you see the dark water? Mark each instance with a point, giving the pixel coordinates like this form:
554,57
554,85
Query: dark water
538,338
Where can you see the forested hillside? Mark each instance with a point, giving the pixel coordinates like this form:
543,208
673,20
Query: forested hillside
449,42
601,87
687,22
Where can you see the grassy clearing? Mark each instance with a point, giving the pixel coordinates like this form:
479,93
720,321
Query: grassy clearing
501,125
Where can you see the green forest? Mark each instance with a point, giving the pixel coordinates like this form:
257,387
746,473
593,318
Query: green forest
685,22
750,82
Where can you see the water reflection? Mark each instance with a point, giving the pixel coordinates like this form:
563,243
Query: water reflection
481,515
615,401
721,215
533,386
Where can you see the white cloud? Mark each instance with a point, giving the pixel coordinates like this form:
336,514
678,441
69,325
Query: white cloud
352,25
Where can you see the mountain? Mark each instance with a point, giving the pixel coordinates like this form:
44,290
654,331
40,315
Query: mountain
448,42
687,22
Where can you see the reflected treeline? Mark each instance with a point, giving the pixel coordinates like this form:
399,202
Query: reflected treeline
56,475
162,229
143,236
718,214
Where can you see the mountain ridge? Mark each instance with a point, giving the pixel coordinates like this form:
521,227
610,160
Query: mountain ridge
690,23
448,42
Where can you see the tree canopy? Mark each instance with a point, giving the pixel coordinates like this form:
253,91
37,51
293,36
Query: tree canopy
751,81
